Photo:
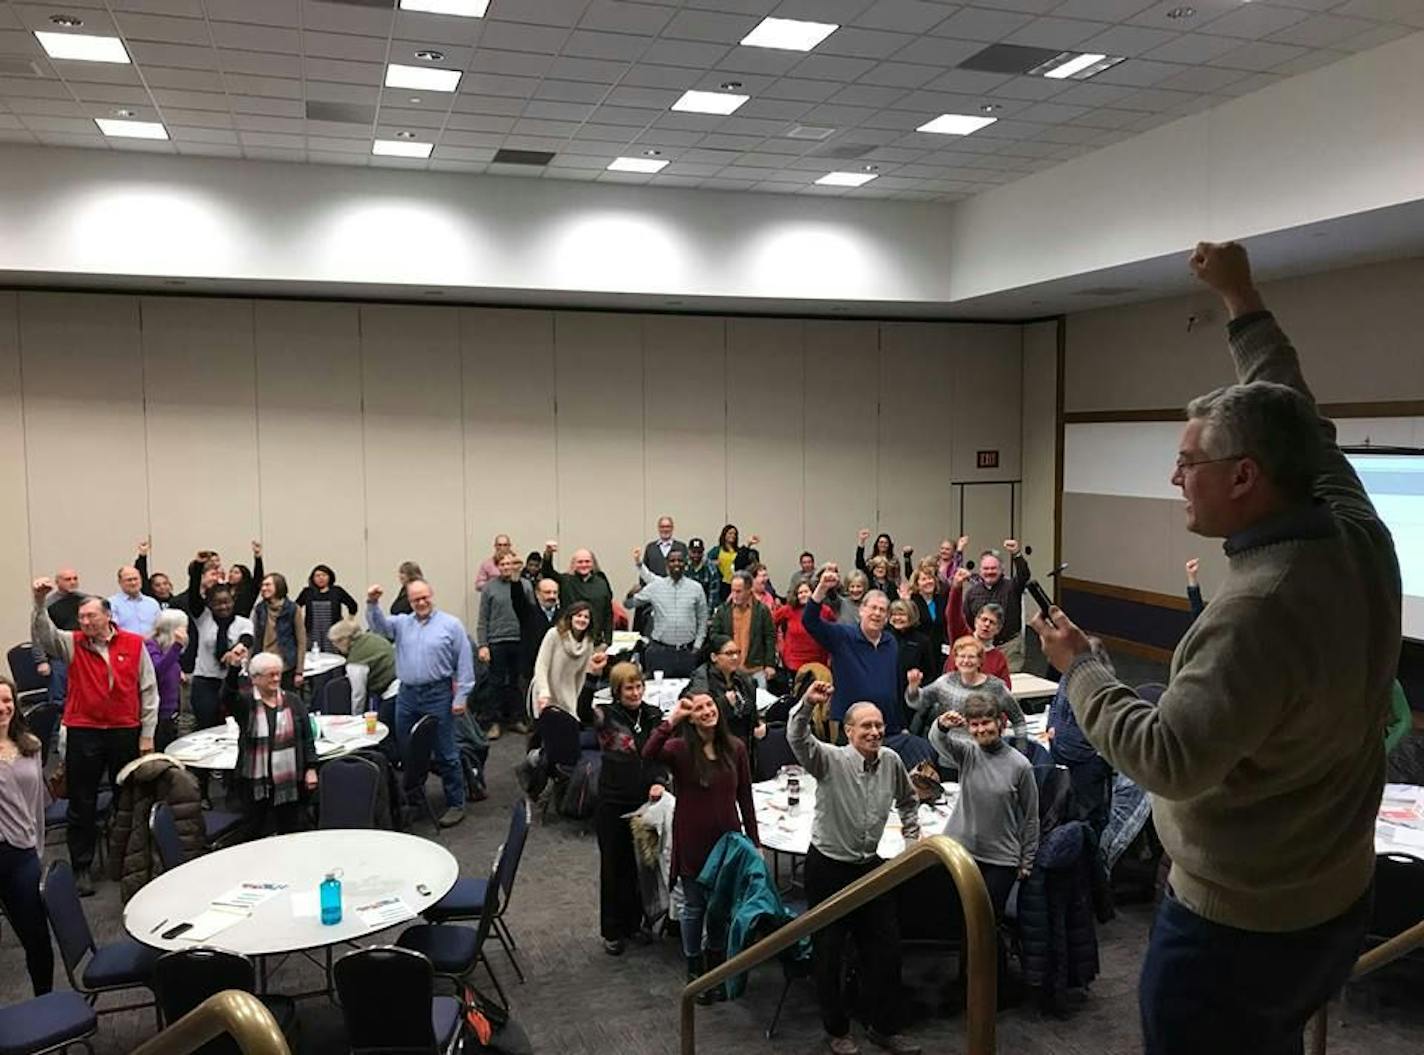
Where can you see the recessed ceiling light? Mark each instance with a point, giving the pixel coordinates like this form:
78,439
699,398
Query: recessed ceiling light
846,179
695,102
131,129
636,165
458,8
405,135
401,148
955,124
730,86
652,153
67,21
415,98
430,55
989,108
788,34
123,113
82,47
421,78
870,168
1182,12
1073,64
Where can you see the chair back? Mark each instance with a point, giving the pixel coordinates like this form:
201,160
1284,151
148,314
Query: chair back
163,830
335,696
772,752
419,745
43,720
24,670
1399,895
184,979
386,995
347,793
66,918
559,733
507,865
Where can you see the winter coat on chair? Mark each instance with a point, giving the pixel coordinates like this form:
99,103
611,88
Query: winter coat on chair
1057,932
143,783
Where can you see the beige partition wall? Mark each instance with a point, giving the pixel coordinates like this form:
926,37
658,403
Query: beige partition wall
361,435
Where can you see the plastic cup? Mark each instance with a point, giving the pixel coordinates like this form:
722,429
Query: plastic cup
371,717
657,675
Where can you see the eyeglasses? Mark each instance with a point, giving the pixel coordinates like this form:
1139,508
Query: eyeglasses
1183,465
730,653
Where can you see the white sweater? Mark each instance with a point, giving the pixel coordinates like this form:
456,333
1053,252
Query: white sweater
560,669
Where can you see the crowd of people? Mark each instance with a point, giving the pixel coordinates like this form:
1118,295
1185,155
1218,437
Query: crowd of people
1269,837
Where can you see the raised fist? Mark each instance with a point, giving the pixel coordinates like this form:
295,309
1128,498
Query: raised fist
1011,547
551,546
145,547
256,548
754,541
950,718
907,550
962,544
863,536
637,555
818,693
914,677
961,576
42,587
373,592
1224,267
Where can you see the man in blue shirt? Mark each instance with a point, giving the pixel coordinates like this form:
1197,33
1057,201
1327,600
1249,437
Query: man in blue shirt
436,668
864,657
133,609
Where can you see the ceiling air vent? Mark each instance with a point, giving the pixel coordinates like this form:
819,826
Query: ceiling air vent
341,113
810,132
537,158
1009,58
19,66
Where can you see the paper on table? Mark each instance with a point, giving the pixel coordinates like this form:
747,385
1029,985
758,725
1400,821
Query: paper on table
215,920
248,894
385,912
1396,836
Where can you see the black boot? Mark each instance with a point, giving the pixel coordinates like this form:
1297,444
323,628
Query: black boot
713,958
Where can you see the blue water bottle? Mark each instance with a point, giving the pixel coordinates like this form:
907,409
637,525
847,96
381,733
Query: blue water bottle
331,898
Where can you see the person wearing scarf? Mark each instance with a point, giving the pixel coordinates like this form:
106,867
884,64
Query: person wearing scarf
276,749
279,627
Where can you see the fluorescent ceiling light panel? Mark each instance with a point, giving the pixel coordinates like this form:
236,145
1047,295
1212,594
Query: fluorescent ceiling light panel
695,102
637,165
846,179
788,34
956,124
422,78
1074,65
131,129
401,148
458,8
83,47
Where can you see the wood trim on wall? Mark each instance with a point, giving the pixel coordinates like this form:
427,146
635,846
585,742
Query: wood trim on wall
1175,602
1136,648
1389,408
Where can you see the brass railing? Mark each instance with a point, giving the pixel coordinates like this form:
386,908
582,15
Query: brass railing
237,1014
979,936
1400,945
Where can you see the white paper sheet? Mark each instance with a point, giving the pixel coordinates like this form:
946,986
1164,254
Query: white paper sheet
384,913
214,921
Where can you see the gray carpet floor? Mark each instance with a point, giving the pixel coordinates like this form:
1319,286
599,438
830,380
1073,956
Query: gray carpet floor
579,1000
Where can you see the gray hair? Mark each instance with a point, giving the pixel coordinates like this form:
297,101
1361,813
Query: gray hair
860,577
1274,425
342,633
166,625
996,610
744,576
855,708
872,595
264,663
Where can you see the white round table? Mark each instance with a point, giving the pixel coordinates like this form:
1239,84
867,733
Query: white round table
375,865
789,832
216,747
664,694
317,663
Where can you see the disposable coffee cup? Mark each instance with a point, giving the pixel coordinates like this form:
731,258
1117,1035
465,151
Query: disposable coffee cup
371,718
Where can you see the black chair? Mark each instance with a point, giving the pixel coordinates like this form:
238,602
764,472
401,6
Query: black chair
220,827
93,969
47,1023
346,793
43,720
335,696
559,737
184,979
31,686
455,951
388,1000
772,752
416,766
466,899
163,831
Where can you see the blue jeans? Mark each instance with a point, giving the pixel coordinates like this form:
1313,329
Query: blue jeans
58,679
1207,987
435,699
694,912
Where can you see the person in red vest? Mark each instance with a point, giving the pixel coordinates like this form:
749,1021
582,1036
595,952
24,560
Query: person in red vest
110,713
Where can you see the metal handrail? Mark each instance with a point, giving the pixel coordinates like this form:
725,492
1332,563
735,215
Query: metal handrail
981,962
234,1013
1401,945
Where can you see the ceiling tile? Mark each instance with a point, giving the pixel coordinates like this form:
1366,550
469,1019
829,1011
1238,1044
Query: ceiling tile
510,36
1051,113
209,119
556,111
1139,72
570,91
672,78
939,51
354,49
803,90
902,16
183,134
710,26
1405,12
1375,37
648,98
1193,48
273,86
192,80
976,23
1202,79
1322,31
1311,60
327,92
167,30
260,63
1054,32
1259,55
180,56
191,100
1127,40
615,17
265,38
347,18
1102,10
867,95
864,43
498,84
589,44
684,53
515,63
598,71
261,12
1254,20
110,93
899,75
771,62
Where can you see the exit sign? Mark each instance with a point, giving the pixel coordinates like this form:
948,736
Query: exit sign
987,460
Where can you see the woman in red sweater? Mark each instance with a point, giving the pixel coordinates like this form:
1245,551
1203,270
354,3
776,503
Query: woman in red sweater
797,646
713,781
987,624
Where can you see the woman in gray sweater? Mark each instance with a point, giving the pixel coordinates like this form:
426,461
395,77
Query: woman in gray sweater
949,692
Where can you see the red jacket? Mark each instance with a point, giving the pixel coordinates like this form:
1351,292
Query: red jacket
797,646
995,662
92,702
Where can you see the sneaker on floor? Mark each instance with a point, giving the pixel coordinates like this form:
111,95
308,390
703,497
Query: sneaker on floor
84,882
845,1045
494,732
893,1042
451,817
613,946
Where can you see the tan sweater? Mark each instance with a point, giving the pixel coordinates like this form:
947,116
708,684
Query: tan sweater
1265,756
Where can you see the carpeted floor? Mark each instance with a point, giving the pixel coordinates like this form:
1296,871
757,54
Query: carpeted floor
579,1000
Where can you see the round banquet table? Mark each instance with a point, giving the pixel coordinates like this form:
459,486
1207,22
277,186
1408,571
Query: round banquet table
216,747
664,692
374,865
789,832
318,663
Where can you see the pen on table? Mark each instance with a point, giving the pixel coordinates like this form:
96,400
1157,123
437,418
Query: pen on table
158,925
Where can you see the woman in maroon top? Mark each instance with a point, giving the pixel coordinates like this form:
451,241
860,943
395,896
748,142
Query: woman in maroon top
713,780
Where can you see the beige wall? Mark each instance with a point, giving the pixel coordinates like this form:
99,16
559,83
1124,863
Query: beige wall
1357,332
366,434
1040,440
